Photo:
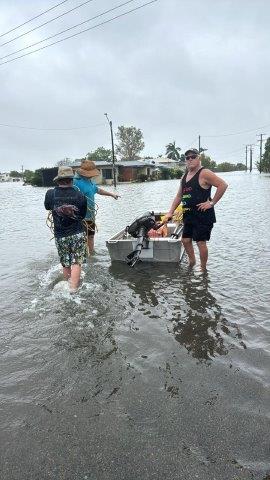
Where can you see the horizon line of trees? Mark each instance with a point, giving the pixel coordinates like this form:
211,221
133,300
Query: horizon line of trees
130,145
264,165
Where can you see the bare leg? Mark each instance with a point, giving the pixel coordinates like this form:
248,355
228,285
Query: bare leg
75,277
66,272
203,254
90,244
188,245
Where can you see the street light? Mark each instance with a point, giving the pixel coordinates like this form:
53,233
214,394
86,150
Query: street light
113,155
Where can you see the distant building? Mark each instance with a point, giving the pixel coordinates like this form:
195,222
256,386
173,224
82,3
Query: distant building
164,162
126,171
130,171
5,177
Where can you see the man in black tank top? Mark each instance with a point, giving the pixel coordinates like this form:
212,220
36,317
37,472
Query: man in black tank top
198,206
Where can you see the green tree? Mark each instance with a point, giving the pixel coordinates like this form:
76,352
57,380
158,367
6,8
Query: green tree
240,166
172,151
265,163
207,162
226,167
100,153
14,173
130,142
36,179
176,172
230,167
165,173
28,176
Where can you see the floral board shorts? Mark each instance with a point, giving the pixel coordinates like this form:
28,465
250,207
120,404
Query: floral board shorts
72,249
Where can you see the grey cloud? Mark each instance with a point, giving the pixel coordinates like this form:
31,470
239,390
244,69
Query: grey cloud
174,69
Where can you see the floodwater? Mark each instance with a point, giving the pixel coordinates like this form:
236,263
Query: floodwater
146,373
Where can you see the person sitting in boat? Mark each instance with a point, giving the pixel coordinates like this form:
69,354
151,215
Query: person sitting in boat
84,182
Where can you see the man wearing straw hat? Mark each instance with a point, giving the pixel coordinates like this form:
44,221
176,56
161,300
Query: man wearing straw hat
68,207
85,183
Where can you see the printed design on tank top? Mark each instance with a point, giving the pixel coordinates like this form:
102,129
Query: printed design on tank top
186,194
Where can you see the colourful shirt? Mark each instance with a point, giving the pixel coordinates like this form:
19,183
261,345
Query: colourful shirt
89,188
192,194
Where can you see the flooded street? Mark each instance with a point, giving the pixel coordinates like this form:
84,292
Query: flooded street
156,372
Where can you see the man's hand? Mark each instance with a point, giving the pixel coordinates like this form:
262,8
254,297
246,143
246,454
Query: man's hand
116,196
204,206
167,217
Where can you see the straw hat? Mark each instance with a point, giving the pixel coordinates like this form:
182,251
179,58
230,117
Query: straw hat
88,169
64,172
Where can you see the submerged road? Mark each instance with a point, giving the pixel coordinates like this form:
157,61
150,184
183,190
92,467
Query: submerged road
146,373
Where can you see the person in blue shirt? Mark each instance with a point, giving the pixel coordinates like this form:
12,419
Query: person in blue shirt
84,182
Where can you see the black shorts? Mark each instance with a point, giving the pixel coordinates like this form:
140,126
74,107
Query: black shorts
199,232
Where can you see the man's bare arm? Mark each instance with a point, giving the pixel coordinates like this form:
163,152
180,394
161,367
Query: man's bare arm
176,201
211,179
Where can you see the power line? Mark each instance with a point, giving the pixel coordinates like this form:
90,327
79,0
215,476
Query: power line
51,129
67,29
33,18
230,153
82,31
235,133
46,23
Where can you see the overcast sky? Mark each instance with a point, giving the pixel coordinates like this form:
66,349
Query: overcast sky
175,69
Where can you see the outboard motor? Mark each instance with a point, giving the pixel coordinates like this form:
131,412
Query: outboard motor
139,229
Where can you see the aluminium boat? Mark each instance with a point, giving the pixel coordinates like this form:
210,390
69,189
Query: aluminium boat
138,241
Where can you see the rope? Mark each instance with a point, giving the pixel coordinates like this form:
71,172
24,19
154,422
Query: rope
50,224
92,209
178,217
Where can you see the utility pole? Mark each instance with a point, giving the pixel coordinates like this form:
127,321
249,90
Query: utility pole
22,173
201,149
246,156
250,157
261,141
113,155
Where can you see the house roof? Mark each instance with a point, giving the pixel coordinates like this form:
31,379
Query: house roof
164,160
134,163
103,163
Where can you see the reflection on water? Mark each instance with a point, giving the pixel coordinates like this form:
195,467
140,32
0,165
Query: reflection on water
200,325
182,298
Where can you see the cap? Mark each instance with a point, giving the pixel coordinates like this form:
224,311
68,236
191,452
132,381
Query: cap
192,150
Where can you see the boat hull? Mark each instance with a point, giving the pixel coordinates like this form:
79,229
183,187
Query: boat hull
156,250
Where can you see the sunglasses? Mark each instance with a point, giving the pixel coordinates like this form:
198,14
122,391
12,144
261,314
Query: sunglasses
191,157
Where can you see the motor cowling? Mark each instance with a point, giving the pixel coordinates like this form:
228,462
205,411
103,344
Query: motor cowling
142,225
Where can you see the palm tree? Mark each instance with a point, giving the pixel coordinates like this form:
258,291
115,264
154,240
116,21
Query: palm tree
172,151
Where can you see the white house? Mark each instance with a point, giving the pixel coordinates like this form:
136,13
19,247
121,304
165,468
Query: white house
5,177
